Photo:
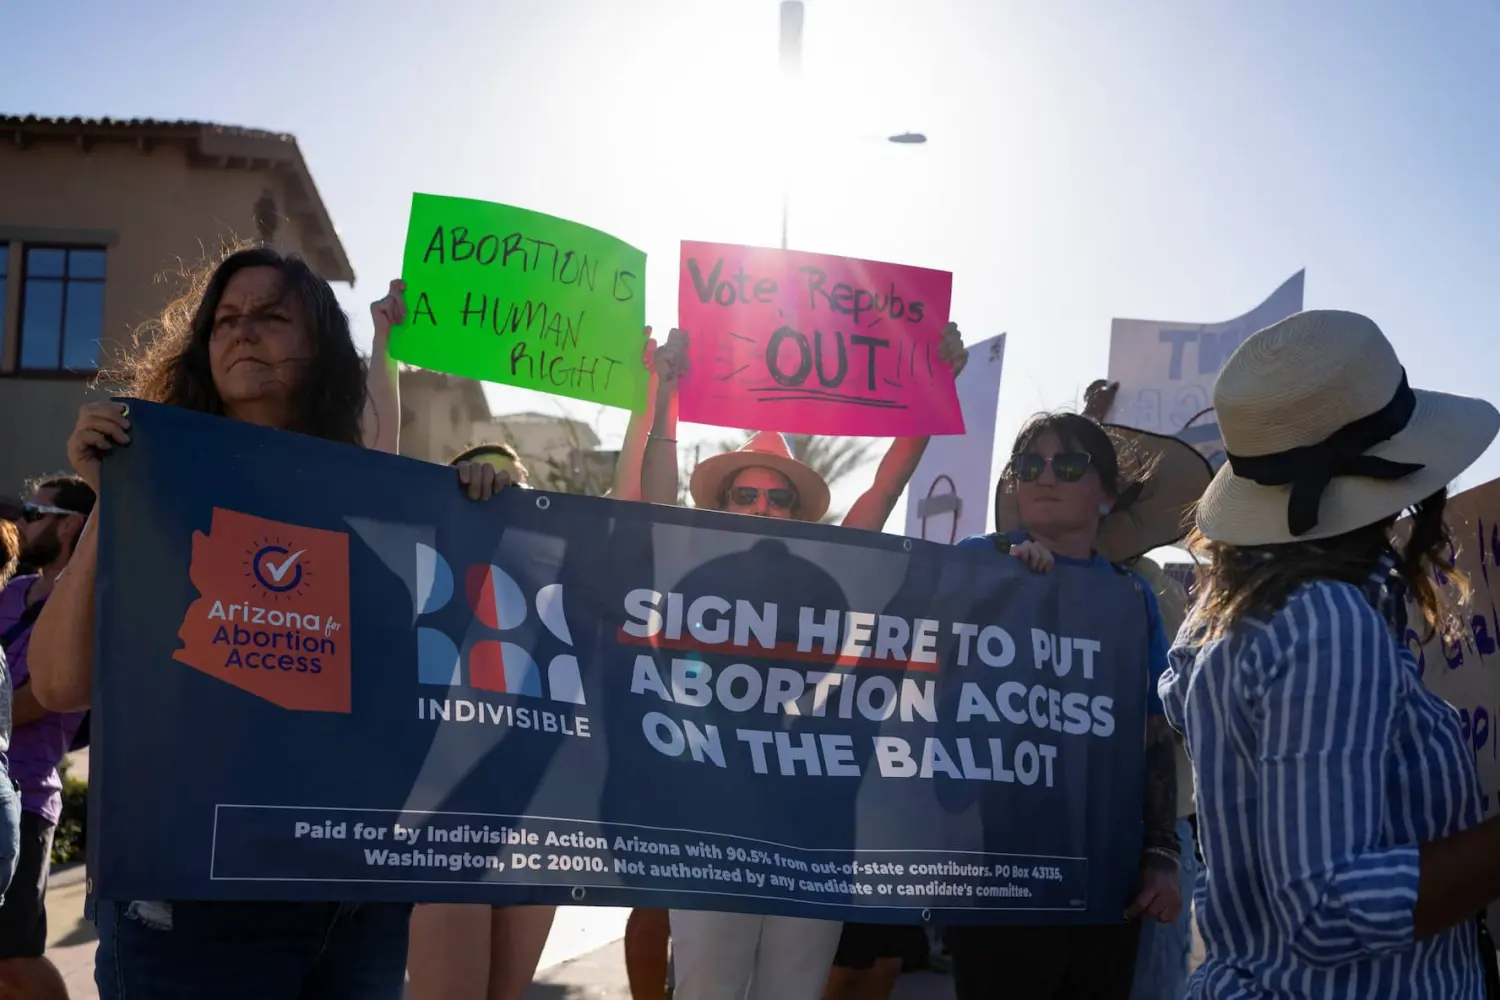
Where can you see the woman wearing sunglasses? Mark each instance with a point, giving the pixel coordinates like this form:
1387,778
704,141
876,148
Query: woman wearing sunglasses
259,338
1065,487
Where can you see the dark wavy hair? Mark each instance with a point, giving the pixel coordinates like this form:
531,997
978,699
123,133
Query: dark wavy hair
169,362
1074,430
1234,582
72,493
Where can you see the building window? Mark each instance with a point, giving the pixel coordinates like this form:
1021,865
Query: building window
62,308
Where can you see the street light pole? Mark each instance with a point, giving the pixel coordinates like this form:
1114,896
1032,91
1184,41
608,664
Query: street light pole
791,68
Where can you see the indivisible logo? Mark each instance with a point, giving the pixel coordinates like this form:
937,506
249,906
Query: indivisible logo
272,613
491,663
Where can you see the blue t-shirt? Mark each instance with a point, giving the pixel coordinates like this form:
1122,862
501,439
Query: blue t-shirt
1156,648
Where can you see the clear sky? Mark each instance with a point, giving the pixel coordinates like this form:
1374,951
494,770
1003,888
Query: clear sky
1158,159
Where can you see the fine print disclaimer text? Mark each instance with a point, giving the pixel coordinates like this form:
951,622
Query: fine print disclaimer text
301,844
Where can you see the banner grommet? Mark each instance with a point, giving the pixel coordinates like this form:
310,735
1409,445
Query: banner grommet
542,503
926,916
578,893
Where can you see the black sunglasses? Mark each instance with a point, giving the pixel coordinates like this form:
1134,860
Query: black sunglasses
34,512
1067,466
745,496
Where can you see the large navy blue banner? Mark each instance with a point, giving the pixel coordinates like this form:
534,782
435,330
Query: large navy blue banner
324,673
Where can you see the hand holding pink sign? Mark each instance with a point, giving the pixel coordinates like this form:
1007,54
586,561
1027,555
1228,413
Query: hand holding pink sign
814,344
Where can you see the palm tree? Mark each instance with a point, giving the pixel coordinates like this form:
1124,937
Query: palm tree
831,457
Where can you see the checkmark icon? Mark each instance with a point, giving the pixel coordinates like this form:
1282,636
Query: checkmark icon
278,573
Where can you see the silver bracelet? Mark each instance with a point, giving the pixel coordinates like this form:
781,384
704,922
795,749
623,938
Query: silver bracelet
1162,852
657,437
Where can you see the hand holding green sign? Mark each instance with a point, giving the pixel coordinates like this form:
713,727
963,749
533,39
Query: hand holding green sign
506,295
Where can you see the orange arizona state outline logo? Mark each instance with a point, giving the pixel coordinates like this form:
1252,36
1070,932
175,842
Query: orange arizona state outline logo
273,611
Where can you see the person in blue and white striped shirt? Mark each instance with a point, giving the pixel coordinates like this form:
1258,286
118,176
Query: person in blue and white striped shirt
1338,804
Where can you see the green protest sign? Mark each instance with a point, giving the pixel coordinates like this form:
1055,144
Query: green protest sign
506,295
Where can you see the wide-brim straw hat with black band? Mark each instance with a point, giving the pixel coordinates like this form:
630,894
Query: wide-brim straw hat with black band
1325,436
1172,476
767,450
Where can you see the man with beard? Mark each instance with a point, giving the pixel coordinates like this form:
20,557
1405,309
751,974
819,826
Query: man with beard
51,522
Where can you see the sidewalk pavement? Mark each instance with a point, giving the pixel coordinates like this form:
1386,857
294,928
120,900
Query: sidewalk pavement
584,958
70,938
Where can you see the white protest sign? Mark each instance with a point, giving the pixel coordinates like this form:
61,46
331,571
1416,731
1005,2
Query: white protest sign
1166,371
1466,673
948,497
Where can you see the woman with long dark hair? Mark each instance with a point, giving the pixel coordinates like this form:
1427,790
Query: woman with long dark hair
1339,806
259,338
1065,486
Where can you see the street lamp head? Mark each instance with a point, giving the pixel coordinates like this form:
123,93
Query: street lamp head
909,138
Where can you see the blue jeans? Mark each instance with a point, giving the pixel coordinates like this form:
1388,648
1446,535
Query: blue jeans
265,951
10,830
1161,965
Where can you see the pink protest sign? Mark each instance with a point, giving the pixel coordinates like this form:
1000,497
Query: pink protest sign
807,343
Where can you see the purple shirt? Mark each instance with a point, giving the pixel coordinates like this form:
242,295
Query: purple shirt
37,747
